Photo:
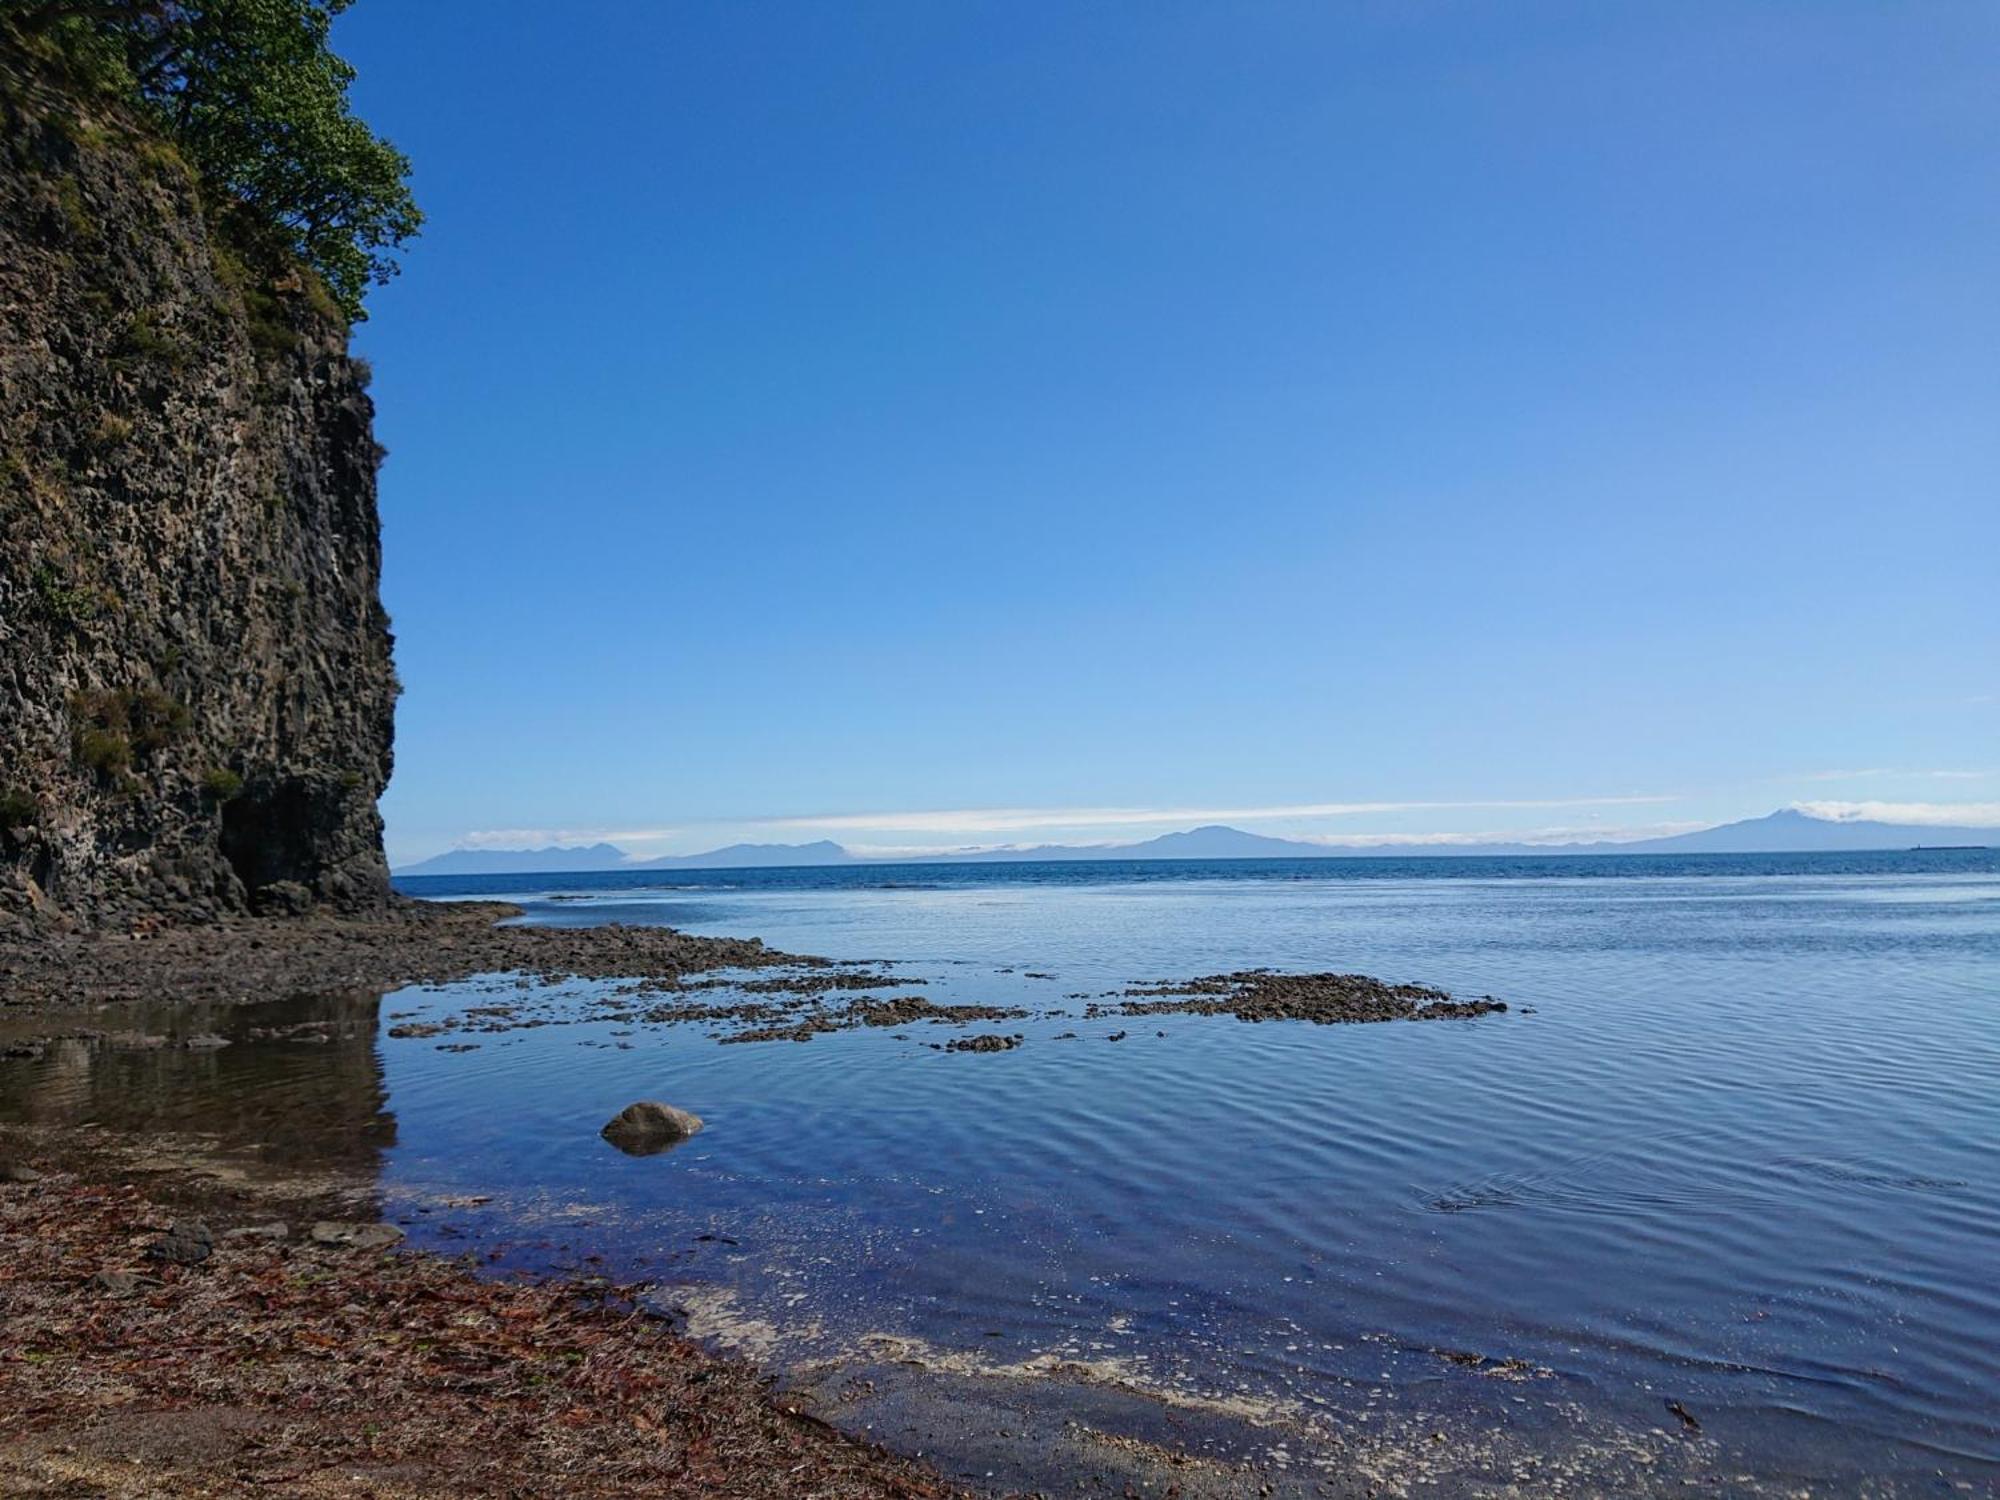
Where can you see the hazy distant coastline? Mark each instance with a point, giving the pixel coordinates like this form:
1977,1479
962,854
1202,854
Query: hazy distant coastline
1787,831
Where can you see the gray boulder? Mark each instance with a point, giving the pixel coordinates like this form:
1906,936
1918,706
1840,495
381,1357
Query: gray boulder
355,1236
188,1242
273,1231
649,1127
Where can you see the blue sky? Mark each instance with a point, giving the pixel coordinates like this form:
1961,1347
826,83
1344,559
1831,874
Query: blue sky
936,424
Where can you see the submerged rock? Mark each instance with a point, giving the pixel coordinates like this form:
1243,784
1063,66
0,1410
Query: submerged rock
647,1127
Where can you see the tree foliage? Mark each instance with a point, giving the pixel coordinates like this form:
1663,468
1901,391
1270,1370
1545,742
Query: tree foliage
257,100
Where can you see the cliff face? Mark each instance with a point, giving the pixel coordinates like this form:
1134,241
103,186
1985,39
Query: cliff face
196,693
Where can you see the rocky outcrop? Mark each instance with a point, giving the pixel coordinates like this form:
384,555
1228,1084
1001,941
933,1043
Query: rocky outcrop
648,1127
196,692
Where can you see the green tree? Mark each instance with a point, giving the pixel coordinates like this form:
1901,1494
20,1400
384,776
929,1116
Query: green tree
257,100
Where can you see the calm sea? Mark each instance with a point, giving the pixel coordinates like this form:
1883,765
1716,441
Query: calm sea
1736,1146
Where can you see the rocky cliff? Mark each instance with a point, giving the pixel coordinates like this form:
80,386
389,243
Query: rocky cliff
196,692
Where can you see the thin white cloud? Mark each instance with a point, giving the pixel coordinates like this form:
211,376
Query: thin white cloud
934,851
563,838
1017,819
967,823
1591,833
1928,814
1587,835
1891,771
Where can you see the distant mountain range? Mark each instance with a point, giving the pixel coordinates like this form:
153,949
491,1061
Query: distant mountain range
1784,832
555,860
750,857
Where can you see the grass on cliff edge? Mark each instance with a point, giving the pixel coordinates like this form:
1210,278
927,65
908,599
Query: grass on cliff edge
252,95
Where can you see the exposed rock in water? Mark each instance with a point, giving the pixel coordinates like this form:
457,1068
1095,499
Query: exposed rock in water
195,681
797,1031
1261,995
906,1010
991,1041
649,1127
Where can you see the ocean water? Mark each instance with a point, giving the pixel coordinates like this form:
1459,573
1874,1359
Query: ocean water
1735,1145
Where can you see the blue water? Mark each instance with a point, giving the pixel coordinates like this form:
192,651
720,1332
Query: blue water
1736,1144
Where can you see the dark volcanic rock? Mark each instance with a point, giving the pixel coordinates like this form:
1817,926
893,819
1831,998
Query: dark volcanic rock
1261,995
648,1127
196,693
188,1243
273,1231
991,1041
337,1235
908,1009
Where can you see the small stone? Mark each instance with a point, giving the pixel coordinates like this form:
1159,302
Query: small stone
649,1127
188,1243
120,1283
258,1232
355,1236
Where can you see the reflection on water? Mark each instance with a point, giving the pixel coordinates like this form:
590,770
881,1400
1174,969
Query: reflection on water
298,1083
1734,1148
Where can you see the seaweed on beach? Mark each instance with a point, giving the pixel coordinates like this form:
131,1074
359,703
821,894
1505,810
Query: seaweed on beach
314,1362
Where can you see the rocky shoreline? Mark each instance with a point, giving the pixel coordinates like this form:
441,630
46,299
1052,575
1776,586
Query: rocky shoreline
247,959
664,977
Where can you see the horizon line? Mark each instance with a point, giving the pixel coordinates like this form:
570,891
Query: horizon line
1910,815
